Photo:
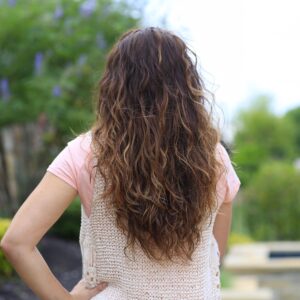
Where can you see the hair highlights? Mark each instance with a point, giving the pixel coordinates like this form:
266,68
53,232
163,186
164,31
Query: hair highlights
155,143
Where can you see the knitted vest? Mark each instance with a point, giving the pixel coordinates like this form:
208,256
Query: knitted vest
137,277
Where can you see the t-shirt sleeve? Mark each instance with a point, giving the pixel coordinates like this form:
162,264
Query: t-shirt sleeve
231,180
64,168
74,165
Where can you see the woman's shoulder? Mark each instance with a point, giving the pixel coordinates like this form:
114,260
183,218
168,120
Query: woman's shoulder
69,163
221,152
81,143
80,149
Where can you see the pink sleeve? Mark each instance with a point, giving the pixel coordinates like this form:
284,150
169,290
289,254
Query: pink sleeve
230,178
73,166
63,167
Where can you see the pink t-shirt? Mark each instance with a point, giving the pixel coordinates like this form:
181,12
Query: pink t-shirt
72,166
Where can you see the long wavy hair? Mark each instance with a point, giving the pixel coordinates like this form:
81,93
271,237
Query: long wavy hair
155,143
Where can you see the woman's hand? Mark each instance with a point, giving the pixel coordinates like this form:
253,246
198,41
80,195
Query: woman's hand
80,292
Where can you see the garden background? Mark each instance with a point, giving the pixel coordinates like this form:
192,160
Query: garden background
52,54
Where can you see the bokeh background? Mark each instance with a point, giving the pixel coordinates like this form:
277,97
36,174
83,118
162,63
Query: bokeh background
52,54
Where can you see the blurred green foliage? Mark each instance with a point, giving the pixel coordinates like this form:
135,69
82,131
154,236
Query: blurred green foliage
5,267
262,136
51,58
293,117
238,238
226,279
272,202
267,148
52,55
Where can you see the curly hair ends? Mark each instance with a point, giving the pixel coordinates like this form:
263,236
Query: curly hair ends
155,143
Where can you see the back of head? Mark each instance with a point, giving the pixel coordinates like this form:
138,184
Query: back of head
155,143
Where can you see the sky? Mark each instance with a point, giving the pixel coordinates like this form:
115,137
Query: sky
246,48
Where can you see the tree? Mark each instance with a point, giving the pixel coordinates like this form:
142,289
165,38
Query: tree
271,203
52,55
293,116
261,136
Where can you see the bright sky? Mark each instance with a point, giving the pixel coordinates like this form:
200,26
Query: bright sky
245,47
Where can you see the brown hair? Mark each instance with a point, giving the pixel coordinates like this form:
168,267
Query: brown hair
155,143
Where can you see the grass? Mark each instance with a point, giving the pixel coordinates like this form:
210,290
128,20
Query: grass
226,279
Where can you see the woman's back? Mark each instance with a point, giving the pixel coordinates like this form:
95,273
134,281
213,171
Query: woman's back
102,243
73,165
134,275
147,224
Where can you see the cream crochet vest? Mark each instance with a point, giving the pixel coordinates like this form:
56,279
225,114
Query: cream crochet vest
137,277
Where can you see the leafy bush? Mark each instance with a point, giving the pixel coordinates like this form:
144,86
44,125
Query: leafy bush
238,238
239,226
226,279
261,136
272,203
293,116
52,54
5,267
68,224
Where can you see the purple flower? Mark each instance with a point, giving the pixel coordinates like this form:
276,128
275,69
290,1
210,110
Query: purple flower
38,62
56,91
59,12
87,8
4,89
11,2
101,43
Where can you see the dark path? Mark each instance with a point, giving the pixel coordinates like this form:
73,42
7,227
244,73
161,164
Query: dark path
63,258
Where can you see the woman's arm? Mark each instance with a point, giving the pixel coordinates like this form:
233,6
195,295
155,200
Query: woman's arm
222,226
38,213
230,181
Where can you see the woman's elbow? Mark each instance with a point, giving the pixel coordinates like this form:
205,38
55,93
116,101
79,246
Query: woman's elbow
5,245
11,245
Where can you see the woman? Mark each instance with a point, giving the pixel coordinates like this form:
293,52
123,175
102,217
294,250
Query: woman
155,183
